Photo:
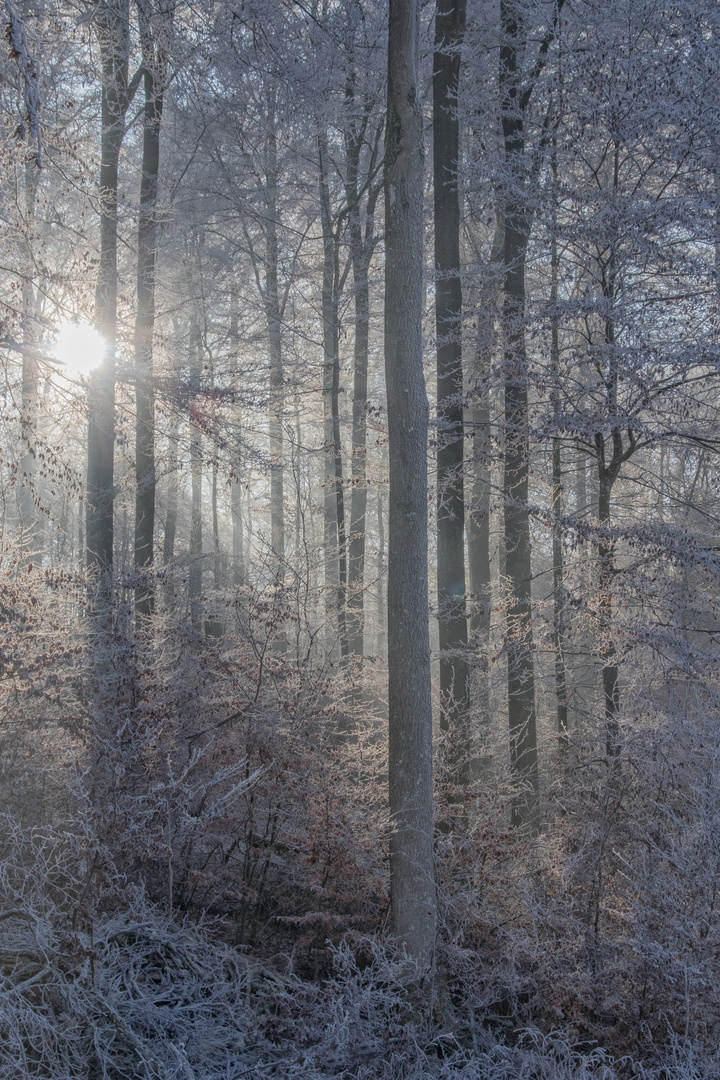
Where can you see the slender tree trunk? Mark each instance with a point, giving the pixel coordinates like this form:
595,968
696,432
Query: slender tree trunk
521,673
606,561
608,472
454,676
112,22
171,509
155,59
381,616
358,502
335,538
277,377
195,575
238,535
409,700
217,567
299,525
81,532
31,540
581,499
561,695
362,245
478,518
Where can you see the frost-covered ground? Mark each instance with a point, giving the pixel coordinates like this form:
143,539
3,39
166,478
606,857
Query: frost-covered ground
112,988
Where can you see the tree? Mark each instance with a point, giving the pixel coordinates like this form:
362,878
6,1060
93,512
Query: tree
516,86
409,703
454,675
112,23
155,31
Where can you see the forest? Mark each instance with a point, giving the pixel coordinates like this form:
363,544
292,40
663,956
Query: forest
360,539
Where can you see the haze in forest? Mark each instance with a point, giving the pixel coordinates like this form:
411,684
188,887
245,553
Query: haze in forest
359,557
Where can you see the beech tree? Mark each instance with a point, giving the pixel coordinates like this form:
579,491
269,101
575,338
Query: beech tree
409,703
454,678
112,23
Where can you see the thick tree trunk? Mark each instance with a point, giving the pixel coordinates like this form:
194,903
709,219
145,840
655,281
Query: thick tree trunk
521,673
410,706
454,678
155,59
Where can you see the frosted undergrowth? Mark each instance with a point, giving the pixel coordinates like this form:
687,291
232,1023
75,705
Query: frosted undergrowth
116,990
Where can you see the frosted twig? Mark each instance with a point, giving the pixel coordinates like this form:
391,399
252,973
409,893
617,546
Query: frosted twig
16,34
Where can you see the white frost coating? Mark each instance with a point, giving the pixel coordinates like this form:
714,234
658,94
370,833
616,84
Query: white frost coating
28,68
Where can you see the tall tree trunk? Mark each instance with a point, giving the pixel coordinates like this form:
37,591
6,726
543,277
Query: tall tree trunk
521,673
335,539
358,501
217,566
478,518
297,467
155,60
581,498
363,243
195,574
273,316
31,539
606,561
171,508
409,699
112,20
238,536
607,474
381,615
561,695
452,618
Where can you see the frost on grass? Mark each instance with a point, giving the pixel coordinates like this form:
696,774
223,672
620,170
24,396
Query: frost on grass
97,982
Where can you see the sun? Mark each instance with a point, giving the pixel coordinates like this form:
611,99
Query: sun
79,347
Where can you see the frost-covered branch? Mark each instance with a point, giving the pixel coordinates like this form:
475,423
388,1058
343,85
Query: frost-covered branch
16,33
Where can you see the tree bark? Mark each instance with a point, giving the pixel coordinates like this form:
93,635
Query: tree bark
362,245
238,535
155,45
558,634
413,902
195,574
112,22
521,673
478,518
273,316
335,538
452,618
31,538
